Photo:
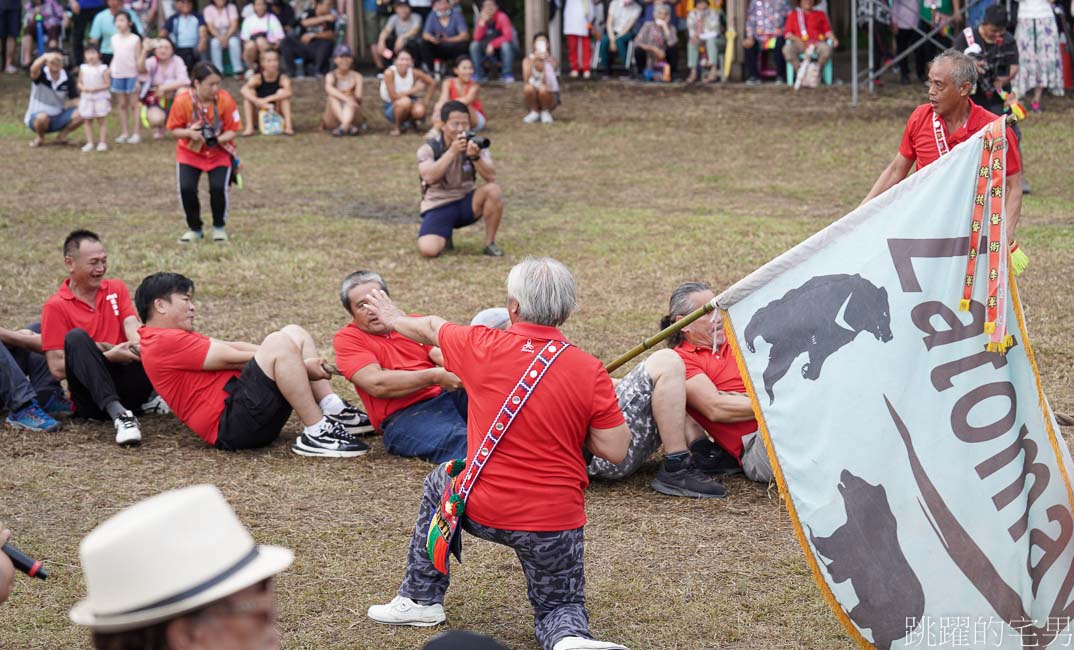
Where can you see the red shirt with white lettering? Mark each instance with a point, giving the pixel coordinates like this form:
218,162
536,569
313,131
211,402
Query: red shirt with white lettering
103,321
173,360
919,136
356,349
723,371
535,480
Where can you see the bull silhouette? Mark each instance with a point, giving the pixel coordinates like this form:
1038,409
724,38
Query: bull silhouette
818,318
866,551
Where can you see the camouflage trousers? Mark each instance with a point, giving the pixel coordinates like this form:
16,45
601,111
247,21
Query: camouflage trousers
635,395
552,562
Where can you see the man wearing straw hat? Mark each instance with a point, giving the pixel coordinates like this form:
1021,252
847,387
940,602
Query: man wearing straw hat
535,401
179,571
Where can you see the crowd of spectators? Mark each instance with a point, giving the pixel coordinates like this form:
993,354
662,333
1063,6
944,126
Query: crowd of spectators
645,37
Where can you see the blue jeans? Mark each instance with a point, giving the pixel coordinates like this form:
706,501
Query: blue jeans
622,44
507,53
433,430
234,54
24,376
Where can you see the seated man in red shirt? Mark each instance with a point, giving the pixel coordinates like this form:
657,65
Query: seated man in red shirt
89,334
948,119
716,396
807,27
238,395
530,494
418,406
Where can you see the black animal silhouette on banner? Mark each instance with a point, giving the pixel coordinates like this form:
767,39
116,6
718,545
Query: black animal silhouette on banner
866,551
818,318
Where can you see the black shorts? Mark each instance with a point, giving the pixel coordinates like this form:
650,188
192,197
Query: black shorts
254,411
10,24
442,220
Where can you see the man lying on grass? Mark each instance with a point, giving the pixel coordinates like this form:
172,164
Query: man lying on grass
238,395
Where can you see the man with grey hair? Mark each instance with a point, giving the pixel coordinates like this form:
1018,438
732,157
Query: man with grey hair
948,119
418,406
535,402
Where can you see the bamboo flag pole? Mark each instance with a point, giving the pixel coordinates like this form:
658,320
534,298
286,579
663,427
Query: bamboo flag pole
661,335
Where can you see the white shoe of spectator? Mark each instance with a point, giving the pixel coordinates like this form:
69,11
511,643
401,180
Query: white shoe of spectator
249,74
88,147
127,431
403,611
102,146
581,643
531,117
134,139
546,117
11,69
121,139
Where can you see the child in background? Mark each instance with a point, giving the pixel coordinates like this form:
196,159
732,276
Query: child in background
267,90
126,49
541,90
704,26
463,88
577,25
343,87
94,103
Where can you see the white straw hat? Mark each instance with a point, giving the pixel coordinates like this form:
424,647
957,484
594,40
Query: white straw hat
167,555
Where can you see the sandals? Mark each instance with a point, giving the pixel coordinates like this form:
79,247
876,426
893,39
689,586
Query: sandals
337,132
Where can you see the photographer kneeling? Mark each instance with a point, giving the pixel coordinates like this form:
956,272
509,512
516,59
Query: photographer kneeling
448,164
205,120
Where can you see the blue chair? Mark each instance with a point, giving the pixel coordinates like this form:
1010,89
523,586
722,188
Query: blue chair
825,72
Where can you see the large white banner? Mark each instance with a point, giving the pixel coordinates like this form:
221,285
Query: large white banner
925,476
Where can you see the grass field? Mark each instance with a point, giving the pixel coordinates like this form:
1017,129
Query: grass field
635,188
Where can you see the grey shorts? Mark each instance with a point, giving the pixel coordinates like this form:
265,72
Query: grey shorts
635,394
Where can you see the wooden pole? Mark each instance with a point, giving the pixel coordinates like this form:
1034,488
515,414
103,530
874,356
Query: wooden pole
661,335
536,21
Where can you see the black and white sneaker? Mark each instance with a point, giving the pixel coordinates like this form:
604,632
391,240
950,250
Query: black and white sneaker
156,405
332,441
127,432
353,419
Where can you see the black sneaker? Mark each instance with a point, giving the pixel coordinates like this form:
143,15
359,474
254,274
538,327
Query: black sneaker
687,482
711,459
353,420
332,441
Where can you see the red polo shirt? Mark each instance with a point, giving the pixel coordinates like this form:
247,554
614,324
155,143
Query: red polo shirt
173,360
356,349
816,25
919,138
536,478
64,312
723,371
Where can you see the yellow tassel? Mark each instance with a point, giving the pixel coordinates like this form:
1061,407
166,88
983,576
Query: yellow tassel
994,347
989,327
963,305
1008,341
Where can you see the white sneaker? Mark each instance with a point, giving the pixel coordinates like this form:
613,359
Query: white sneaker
546,117
219,234
531,117
191,236
122,139
88,147
403,611
102,146
127,431
156,405
580,643
134,139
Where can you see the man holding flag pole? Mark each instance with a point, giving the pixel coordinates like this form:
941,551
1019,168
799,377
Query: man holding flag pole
948,119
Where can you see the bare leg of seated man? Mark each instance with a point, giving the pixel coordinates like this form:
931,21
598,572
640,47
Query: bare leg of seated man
653,400
289,358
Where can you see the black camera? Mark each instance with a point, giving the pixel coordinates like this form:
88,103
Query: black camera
208,132
481,141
